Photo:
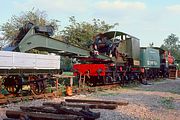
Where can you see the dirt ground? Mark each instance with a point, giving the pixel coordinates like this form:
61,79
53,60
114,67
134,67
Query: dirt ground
158,101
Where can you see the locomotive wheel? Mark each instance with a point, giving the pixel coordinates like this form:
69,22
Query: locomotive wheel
13,83
37,87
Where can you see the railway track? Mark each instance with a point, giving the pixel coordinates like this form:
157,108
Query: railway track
14,99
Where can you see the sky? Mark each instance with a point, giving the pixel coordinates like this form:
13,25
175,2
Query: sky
148,20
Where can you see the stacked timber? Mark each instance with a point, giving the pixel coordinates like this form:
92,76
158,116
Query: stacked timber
71,109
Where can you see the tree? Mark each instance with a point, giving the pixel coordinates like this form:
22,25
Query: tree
172,44
81,33
66,63
10,29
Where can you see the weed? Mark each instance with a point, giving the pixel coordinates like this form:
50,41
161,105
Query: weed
26,99
175,90
49,89
167,102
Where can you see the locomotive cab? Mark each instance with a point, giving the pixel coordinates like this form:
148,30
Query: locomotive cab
120,46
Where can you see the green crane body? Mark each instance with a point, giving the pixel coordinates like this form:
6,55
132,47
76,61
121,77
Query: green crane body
33,40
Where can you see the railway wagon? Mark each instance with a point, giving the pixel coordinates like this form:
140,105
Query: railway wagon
150,62
20,69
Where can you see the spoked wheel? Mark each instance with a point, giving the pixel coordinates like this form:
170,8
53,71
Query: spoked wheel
13,83
36,85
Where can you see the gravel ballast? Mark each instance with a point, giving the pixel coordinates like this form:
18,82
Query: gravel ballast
158,101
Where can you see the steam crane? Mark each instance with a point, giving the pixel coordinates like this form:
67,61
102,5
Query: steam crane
19,68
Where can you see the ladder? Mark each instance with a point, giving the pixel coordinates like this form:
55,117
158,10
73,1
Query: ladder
82,79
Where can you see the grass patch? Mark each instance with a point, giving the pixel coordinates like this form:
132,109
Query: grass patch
26,99
167,102
175,90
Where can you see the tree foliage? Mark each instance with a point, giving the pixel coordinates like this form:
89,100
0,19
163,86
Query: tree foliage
172,44
11,28
81,33
66,63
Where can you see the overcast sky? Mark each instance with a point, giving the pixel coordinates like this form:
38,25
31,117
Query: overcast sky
148,20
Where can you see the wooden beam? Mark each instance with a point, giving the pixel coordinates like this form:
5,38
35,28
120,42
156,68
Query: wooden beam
92,106
122,102
39,109
85,112
10,119
40,116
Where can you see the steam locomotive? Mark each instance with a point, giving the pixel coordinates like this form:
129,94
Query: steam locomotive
128,62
